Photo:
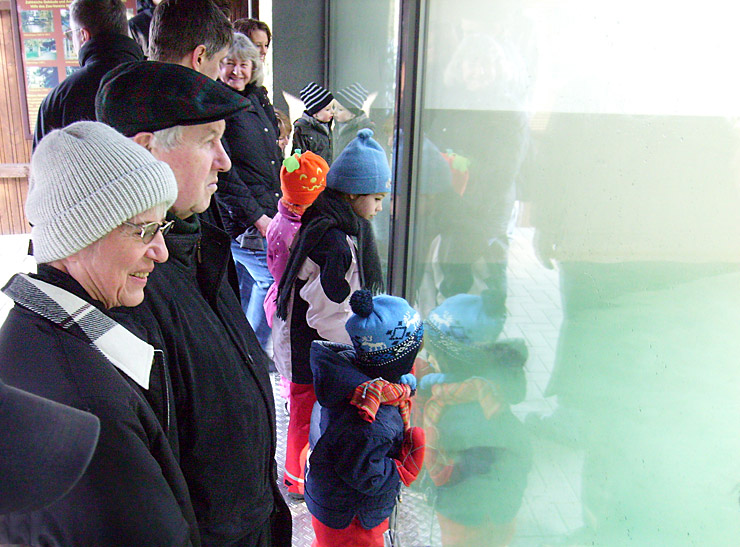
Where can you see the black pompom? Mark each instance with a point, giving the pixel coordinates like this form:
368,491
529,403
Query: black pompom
361,302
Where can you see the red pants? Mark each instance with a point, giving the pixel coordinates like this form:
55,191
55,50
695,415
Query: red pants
302,399
487,533
353,535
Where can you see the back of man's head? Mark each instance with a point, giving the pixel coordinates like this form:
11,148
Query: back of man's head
100,16
180,26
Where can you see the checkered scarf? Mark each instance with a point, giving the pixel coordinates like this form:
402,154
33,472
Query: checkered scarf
479,390
122,348
369,395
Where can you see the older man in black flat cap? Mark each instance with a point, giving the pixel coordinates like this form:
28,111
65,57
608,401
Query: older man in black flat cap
224,406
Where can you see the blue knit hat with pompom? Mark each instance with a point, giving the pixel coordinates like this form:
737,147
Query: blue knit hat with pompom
361,168
465,324
386,333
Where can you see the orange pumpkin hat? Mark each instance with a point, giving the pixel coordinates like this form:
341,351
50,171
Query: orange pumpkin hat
303,177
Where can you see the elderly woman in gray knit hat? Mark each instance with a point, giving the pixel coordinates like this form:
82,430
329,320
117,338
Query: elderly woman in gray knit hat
96,201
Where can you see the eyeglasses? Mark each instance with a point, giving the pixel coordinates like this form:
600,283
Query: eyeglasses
68,33
148,230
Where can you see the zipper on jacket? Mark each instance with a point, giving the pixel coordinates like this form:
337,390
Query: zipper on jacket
159,353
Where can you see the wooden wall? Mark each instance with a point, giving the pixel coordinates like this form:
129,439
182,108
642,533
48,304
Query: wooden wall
15,149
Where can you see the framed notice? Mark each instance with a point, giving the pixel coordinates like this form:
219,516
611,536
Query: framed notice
44,50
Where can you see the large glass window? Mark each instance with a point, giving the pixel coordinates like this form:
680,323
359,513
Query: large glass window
363,47
575,251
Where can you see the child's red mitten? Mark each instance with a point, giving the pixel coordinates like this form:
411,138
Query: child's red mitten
412,455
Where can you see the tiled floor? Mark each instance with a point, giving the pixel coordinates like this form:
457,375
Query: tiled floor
551,505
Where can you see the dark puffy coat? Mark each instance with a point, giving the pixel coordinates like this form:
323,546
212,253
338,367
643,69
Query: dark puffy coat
311,134
73,99
223,398
351,471
252,187
133,492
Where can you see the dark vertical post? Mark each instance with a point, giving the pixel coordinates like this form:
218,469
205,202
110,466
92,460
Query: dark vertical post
408,103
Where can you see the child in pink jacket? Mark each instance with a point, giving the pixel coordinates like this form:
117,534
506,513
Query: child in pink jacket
302,179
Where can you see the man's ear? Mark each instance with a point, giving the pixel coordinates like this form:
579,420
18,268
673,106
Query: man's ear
144,139
197,57
84,36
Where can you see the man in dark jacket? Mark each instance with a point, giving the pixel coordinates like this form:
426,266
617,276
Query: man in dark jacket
223,398
99,32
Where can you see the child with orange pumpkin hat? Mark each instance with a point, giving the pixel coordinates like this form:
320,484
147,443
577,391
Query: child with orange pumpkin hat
302,179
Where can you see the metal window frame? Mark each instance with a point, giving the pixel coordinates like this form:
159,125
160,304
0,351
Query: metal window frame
409,91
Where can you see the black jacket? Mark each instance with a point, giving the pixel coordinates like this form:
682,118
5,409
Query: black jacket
73,100
223,398
138,25
311,134
133,492
252,187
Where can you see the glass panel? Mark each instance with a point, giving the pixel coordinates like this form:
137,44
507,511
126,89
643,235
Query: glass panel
362,72
575,255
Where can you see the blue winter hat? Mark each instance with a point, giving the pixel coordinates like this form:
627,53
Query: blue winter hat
361,168
465,325
386,333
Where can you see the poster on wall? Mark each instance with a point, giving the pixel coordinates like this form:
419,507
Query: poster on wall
46,44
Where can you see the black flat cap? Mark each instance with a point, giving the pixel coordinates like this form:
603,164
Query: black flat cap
149,96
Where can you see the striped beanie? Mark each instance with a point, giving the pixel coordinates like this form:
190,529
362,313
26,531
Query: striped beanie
315,97
85,181
352,97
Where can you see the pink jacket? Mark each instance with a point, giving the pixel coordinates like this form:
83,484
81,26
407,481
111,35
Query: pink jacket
279,235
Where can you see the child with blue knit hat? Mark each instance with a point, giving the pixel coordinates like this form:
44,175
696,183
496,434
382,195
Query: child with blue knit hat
367,447
333,255
478,454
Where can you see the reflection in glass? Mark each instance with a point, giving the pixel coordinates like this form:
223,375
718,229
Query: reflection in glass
576,136
364,52
576,256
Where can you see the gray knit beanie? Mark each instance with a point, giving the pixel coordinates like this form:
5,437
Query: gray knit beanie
86,180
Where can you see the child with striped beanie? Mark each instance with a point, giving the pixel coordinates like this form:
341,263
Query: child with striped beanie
349,116
312,131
